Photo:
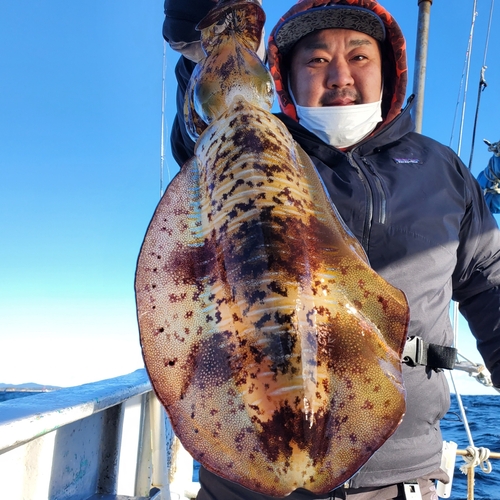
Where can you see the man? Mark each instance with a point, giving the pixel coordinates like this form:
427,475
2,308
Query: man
340,72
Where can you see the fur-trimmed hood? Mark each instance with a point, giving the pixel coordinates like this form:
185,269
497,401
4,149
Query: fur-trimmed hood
395,72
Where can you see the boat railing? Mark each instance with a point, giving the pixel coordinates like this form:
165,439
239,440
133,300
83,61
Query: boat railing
106,440
93,441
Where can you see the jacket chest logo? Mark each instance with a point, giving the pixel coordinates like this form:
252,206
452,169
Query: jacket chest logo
412,161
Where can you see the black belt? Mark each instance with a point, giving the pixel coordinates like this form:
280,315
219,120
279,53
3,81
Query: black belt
419,352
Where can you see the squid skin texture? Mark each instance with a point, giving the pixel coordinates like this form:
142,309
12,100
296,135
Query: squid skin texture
272,344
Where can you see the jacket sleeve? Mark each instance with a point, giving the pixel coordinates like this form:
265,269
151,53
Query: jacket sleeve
179,30
476,281
181,144
179,27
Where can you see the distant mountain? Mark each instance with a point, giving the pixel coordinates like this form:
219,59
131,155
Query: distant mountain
27,387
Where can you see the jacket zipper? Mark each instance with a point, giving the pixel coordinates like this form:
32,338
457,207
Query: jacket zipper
381,199
374,194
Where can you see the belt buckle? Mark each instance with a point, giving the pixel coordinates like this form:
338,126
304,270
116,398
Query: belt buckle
414,352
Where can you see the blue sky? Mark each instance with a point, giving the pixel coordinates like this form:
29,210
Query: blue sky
80,122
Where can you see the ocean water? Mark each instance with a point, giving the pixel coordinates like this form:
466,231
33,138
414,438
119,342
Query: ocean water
482,414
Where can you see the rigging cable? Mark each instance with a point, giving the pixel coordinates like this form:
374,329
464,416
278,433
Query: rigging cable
482,84
473,456
465,74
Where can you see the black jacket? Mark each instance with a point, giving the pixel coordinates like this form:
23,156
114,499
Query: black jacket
424,225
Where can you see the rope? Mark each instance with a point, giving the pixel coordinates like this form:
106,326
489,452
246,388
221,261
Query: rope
477,456
495,181
462,411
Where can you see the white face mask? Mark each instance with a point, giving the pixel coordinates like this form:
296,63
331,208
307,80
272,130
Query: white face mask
341,126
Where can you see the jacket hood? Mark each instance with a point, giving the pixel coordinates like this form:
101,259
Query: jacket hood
394,66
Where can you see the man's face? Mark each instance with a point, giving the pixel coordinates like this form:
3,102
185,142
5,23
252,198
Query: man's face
336,67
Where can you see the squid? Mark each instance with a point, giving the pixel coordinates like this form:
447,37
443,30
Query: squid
272,344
